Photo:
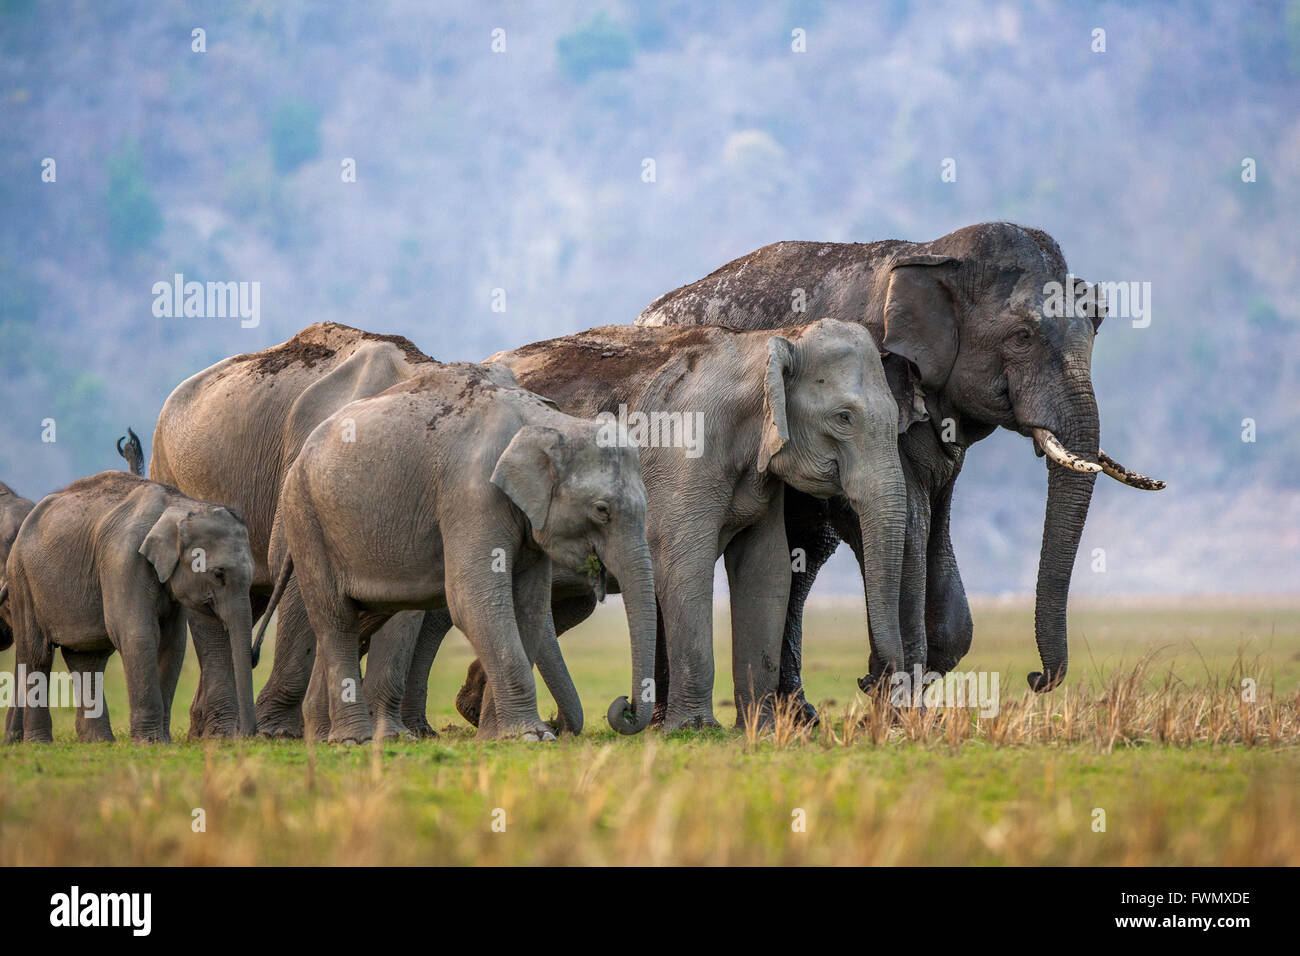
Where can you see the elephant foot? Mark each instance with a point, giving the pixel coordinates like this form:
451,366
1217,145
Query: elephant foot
97,737
351,738
803,712
150,737
388,728
352,724
532,732
279,723
690,721
420,727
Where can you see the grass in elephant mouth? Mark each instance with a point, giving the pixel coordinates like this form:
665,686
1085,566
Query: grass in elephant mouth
1151,728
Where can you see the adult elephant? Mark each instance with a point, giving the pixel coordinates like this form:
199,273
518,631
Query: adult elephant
974,342
230,433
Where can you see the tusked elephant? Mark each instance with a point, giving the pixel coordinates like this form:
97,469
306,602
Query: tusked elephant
973,344
230,432
453,490
728,420
109,564
13,509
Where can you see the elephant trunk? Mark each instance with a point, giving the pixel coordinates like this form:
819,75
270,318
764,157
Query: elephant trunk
1069,492
237,617
628,560
880,502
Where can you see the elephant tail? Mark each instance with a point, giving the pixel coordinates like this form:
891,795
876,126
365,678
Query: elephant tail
276,594
132,451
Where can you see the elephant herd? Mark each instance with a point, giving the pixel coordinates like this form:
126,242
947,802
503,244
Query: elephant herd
372,497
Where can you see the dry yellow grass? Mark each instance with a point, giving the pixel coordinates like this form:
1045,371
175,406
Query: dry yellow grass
1150,754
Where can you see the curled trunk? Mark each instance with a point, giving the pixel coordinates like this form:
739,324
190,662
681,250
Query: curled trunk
628,559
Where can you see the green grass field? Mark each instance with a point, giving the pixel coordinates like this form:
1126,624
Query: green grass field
1151,738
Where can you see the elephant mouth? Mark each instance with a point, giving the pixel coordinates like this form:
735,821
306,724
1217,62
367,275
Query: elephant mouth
594,570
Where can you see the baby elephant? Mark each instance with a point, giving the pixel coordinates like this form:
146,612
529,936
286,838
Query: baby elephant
109,564
455,490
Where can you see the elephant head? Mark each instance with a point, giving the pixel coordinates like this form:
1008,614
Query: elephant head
202,556
586,506
977,314
830,428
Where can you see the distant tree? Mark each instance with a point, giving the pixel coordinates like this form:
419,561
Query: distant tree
598,44
134,220
295,135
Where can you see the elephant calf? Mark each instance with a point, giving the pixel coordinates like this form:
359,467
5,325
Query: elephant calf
454,490
751,412
109,563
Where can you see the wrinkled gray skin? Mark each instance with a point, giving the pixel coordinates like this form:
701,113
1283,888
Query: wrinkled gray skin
453,490
13,509
971,346
809,407
109,564
230,433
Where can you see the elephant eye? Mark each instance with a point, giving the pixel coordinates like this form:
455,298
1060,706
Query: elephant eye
220,575
602,510
845,417
1021,336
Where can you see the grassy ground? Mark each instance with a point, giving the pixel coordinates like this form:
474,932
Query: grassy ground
1151,739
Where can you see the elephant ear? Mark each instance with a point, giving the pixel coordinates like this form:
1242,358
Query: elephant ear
1094,302
776,429
906,388
921,317
527,472
162,547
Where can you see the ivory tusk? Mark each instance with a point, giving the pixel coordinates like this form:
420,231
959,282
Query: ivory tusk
1062,455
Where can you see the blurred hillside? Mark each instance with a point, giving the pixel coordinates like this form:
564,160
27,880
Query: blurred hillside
522,171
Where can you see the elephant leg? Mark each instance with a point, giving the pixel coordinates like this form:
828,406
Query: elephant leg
949,627
391,650
335,623
316,704
173,634
415,698
812,541
482,606
532,597
93,726
661,671
280,704
684,586
566,613
36,724
758,575
137,640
